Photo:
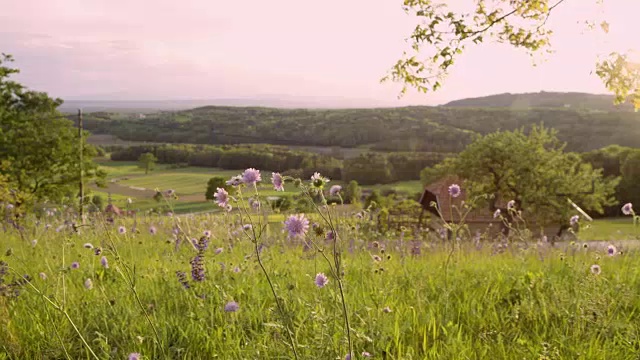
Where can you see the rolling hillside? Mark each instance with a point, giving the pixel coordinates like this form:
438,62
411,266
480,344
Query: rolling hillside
435,129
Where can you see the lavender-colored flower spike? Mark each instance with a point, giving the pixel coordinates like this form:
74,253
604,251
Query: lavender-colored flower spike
222,197
297,225
321,280
197,268
231,306
627,209
277,181
251,176
454,190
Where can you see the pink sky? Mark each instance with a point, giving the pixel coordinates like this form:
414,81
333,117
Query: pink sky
212,49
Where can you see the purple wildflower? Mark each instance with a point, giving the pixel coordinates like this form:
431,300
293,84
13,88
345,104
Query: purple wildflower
251,176
202,244
197,268
122,230
222,197
104,262
254,203
236,269
330,235
574,220
611,250
235,181
348,357
231,306
511,204
228,208
321,280
171,192
366,354
454,190
88,284
377,258
595,269
297,225
277,181
207,233
75,265
496,214
153,230
135,356
627,209
182,278
218,251
335,190
247,227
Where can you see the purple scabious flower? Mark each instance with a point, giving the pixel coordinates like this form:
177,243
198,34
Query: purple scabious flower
153,230
247,227
511,204
611,250
335,190
75,265
254,203
231,306
134,356
454,190
218,251
574,220
496,214
88,284
297,225
182,278
321,280
222,197
330,235
627,209
251,176
122,230
207,233
235,181
595,269
104,262
197,268
277,181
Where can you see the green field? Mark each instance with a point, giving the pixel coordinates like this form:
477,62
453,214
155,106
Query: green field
472,301
190,184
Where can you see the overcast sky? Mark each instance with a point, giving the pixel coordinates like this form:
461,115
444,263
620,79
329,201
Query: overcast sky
211,49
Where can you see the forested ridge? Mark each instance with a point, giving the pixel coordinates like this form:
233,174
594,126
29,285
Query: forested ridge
416,128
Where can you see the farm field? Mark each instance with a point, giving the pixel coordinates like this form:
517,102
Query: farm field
128,180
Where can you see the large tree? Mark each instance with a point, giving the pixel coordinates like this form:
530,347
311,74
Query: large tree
147,162
531,169
443,34
39,145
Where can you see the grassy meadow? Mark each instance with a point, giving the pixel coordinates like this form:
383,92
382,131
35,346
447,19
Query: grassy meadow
148,286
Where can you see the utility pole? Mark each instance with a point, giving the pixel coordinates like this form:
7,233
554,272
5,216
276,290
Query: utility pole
81,184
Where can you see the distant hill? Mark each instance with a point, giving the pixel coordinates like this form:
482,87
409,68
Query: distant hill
570,100
442,129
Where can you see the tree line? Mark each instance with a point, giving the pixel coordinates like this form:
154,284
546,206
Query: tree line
367,169
417,128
